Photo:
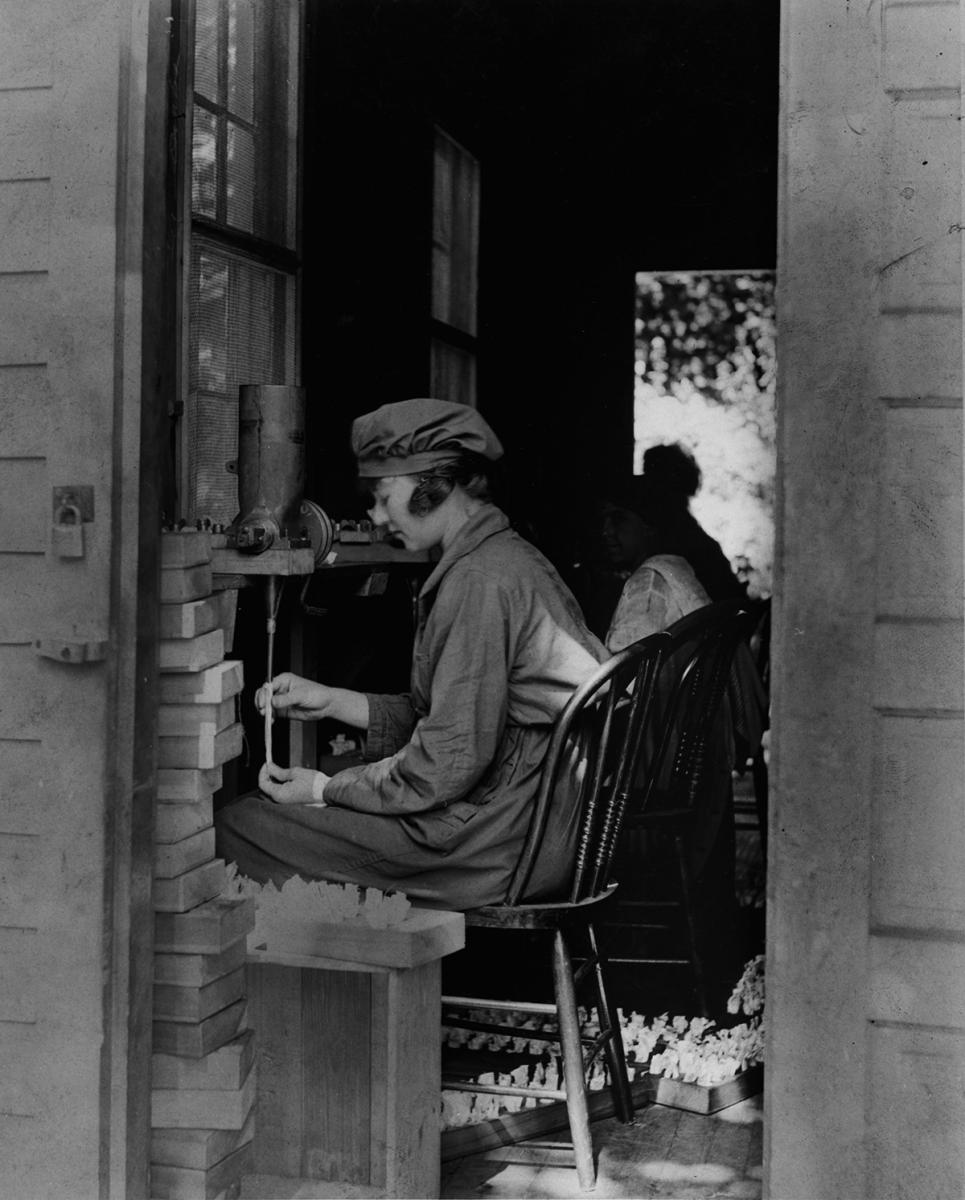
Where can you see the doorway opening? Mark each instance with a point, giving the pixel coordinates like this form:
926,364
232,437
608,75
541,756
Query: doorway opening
705,370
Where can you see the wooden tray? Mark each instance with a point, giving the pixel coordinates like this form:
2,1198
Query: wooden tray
424,935
549,1118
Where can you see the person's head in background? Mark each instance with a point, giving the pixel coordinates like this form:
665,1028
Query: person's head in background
630,525
672,471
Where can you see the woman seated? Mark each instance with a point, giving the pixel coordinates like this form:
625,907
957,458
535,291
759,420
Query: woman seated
662,586
441,806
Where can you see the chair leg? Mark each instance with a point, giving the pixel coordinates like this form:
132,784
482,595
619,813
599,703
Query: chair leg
690,922
573,1069
615,1055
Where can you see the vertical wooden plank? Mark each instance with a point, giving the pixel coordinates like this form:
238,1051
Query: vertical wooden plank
275,1008
413,1081
335,1083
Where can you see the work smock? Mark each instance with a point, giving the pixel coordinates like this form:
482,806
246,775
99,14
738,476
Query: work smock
442,808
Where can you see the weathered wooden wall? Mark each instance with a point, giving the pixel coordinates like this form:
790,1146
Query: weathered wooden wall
73,893
867,901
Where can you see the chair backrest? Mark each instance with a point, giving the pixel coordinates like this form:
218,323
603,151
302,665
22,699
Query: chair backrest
687,730
591,763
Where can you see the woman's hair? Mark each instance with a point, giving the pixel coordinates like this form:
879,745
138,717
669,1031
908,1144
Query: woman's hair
471,471
673,470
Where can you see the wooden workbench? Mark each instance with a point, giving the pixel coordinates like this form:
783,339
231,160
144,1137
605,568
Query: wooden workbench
348,1055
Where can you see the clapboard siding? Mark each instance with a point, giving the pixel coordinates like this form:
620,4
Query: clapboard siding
27,416
920,526
19,968
918,666
25,120
25,301
921,1071
918,827
26,44
25,220
25,506
21,764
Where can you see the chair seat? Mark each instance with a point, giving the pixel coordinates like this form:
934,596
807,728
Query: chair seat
552,915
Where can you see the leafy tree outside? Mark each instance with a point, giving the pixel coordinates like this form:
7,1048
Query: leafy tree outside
705,376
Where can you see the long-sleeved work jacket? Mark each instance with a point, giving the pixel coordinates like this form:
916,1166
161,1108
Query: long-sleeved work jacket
443,808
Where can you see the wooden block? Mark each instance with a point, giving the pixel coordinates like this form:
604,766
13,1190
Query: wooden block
176,720
199,1149
208,929
191,619
195,1039
176,785
222,1180
187,891
208,1108
185,548
425,934
172,822
181,584
175,858
209,748
195,970
217,683
222,1069
173,1003
192,654
278,560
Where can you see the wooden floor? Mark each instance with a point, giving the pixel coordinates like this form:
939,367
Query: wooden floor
665,1155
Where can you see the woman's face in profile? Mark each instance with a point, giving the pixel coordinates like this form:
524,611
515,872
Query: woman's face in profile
627,538
390,511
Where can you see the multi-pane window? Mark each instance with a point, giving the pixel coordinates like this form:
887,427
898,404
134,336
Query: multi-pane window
455,254
242,239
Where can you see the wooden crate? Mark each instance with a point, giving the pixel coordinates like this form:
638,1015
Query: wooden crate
225,1068
192,654
185,548
185,720
194,1002
224,1179
174,858
182,584
195,970
210,686
192,619
176,785
195,1039
198,1149
208,929
203,1108
210,747
174,822
193,888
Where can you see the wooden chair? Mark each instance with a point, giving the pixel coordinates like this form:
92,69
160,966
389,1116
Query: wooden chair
685,758
592,759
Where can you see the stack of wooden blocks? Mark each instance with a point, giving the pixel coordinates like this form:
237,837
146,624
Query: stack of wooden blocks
203,1078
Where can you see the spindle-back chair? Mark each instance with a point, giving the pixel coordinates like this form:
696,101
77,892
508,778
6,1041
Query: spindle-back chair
592,761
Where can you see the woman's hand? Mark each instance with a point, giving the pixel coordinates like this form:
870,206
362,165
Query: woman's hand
296,698
290,785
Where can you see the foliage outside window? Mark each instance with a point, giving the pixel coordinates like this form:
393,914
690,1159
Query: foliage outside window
242,237
705,377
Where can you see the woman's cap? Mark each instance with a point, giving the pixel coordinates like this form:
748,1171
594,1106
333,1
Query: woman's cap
414,436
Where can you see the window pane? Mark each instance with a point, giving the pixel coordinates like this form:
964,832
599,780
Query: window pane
241,178
251,78
242,330
206,55
455,234
452,373
204,164
241,59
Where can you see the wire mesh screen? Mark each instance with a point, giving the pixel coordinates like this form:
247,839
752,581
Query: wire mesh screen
242,330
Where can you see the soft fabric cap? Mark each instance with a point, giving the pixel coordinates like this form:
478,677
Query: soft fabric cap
414,436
